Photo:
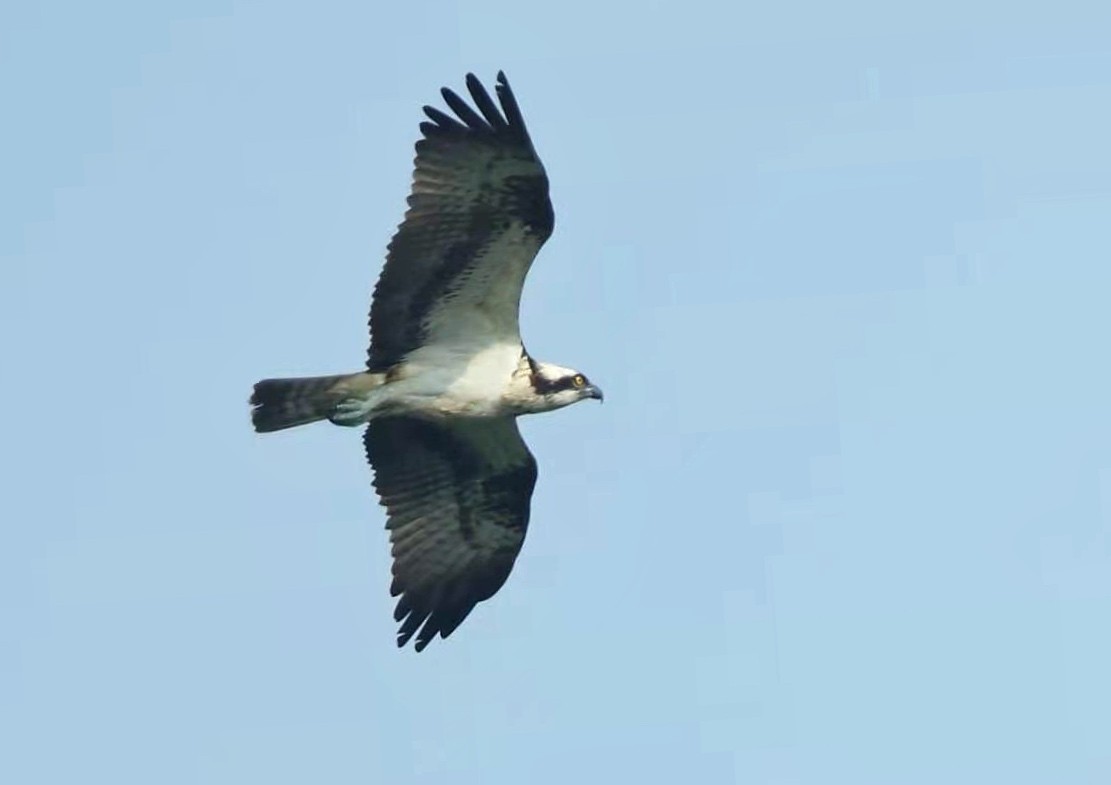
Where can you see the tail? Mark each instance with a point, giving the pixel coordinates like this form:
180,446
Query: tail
285,403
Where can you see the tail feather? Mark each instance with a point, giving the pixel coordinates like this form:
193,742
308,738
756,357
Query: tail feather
284,403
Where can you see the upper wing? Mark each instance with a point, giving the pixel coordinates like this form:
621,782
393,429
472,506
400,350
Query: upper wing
478,213
458,497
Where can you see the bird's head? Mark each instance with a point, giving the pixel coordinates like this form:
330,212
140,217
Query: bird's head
557,387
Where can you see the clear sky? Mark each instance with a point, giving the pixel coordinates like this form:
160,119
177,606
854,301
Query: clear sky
842,269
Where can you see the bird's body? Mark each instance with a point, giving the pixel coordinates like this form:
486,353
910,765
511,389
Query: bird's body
447,373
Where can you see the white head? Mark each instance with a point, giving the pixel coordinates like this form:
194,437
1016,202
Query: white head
547,387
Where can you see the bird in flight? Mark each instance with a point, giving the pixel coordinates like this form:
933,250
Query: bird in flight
447,375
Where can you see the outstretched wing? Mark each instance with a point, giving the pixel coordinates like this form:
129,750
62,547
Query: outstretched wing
458,498
478,213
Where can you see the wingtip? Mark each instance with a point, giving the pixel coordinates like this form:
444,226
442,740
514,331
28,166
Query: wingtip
445,92
418,645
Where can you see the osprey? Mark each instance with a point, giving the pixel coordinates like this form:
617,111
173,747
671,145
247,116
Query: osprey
447,375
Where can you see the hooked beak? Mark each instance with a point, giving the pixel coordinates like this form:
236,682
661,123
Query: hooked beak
593,391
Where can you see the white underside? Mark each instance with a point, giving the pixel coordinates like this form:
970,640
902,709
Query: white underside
442,381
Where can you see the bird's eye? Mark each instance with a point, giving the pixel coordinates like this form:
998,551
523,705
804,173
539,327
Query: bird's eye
579,380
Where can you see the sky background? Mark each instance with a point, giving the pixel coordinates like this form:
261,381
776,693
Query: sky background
843,271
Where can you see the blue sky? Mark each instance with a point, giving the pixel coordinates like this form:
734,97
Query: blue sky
842,270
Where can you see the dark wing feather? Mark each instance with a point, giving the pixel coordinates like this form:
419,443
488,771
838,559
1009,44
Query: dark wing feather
458,498
478,213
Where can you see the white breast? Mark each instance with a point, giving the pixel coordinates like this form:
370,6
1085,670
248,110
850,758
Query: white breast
454,380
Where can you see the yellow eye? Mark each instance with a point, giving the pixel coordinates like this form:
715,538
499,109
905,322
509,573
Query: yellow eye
578,381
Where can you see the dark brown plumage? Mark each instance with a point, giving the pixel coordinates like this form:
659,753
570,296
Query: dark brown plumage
475,181
457,496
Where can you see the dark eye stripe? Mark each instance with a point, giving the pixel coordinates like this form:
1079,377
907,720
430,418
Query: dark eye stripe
545,387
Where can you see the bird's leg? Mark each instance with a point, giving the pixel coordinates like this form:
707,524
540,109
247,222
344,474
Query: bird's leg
351,412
